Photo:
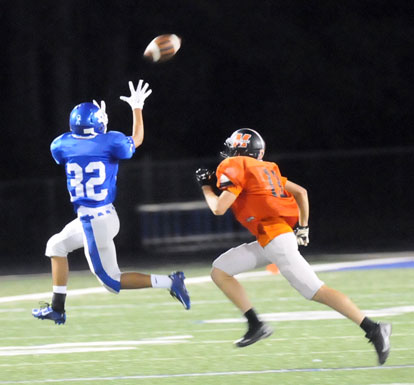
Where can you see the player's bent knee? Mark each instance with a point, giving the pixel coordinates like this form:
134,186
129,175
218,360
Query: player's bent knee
55,247
111,289
220,267
112,284
311,293
218,275
307,286
214,274
319,294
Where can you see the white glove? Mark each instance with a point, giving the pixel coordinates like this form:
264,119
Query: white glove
138,96
101,114
302,235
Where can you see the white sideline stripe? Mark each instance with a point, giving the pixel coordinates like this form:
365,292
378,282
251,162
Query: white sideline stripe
316,315
36,296
202,358
84,347
211,374
367,262
13,353
147,341
206,279
174,206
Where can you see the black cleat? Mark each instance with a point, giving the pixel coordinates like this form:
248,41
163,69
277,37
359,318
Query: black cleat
380,338
254,335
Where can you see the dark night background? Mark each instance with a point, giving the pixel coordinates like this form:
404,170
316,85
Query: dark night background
327,83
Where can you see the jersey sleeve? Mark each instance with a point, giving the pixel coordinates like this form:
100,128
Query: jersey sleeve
230,175
56,151
122,146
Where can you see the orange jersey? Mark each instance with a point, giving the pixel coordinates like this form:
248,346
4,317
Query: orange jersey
263,205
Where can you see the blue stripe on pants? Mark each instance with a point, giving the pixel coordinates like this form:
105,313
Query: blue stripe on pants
95,257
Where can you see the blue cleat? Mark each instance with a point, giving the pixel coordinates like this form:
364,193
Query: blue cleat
178,289
46,312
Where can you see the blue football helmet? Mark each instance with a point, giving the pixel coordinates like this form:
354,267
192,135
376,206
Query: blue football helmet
88,119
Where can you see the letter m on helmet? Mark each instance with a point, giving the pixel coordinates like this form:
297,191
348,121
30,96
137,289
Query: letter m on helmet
241,140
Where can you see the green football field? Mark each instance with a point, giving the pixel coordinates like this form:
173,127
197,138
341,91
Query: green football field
146,337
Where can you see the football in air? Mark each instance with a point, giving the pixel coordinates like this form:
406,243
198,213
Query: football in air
162,48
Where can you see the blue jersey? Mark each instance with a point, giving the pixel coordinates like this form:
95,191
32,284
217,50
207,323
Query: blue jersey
91,165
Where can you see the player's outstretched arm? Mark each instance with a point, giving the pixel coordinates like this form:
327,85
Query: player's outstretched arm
136,102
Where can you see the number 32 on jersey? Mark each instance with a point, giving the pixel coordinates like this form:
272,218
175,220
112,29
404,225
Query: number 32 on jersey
85,186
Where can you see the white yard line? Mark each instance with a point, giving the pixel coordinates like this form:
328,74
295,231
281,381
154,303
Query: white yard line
36,296
85,347
211,374
316,315
12,353
295,354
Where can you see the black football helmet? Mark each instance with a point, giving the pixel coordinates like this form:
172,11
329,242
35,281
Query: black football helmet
244,142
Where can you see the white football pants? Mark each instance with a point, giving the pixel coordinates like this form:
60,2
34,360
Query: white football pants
94,229
282,251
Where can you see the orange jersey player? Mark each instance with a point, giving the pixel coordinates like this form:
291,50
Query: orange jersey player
263,205
270,206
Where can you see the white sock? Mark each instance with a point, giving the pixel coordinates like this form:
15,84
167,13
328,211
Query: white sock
161,281
59,289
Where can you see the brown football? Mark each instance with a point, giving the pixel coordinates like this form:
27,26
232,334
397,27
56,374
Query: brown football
162,48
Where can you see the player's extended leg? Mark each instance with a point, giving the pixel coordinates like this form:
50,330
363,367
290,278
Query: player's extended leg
58,247
377,333
237,260
173,282
339,302
135,280
283,251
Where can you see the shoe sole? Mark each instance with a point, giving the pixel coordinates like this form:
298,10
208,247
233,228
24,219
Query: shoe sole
383,355
57,322
179,298
267,332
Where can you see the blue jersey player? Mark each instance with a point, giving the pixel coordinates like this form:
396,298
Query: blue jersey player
90,156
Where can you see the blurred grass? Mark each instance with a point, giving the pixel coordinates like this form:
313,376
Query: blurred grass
297,351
